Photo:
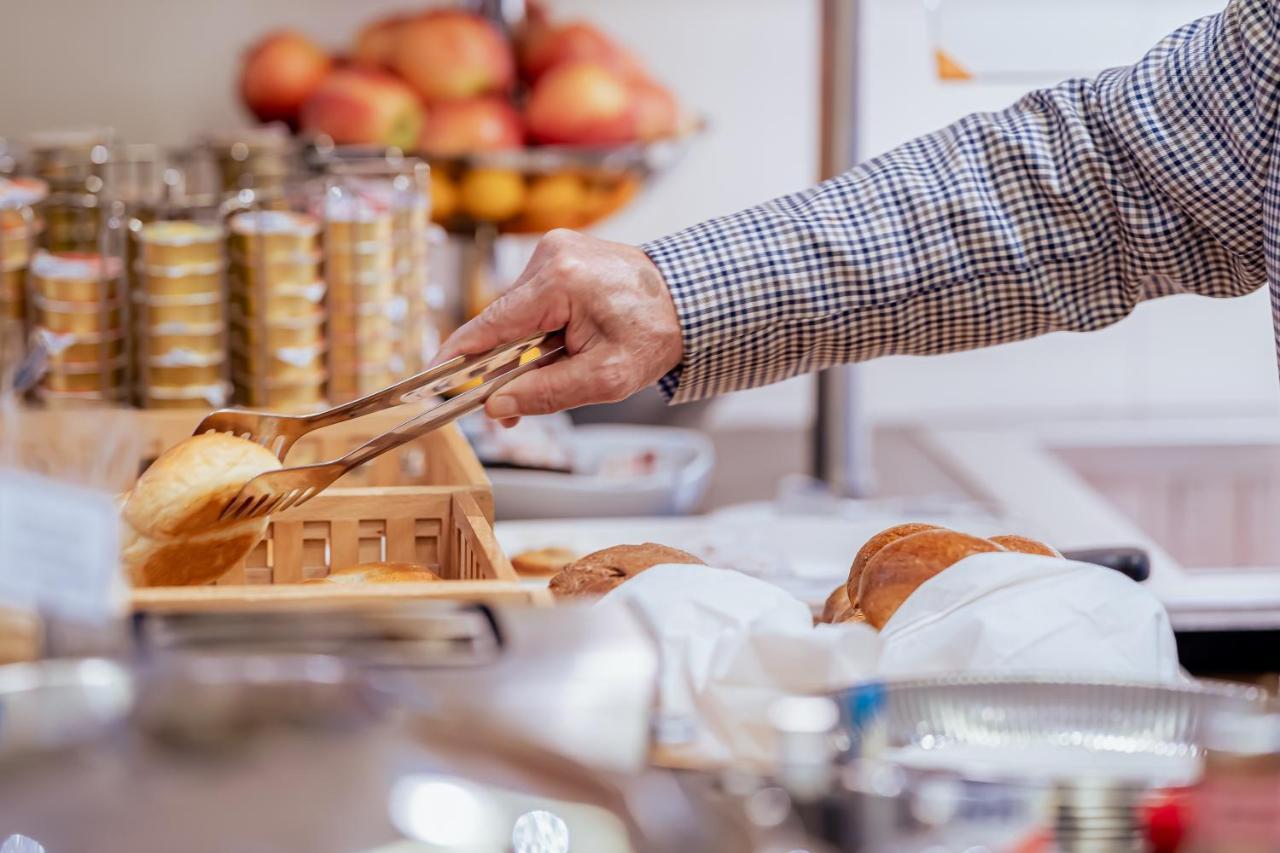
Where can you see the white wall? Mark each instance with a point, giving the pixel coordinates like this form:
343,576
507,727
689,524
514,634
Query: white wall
1180,354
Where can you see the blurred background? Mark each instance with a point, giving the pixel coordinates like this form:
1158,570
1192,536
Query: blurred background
1184,391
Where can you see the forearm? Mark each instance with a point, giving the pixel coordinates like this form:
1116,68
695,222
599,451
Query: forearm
1059,214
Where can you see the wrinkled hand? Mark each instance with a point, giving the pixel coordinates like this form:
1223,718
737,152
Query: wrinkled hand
621,328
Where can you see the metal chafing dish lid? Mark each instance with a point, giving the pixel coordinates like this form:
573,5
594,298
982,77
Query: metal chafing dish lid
403,634
1048,729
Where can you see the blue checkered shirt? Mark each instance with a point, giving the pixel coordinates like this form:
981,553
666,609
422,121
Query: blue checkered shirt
1060,213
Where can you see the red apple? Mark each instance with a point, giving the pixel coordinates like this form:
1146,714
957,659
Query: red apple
471,124
582,103
279,72
453,54
547,47
375,44
360,106
657,113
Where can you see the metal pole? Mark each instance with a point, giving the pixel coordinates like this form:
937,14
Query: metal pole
841,455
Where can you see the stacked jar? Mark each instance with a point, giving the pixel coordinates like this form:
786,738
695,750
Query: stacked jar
360,270
413,235
278,311
20,225
180,303
253,158
79,308
70,162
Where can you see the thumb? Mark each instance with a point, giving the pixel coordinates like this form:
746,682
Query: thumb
565,384
517,314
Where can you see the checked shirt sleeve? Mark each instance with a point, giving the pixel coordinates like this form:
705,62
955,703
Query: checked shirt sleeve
1059,213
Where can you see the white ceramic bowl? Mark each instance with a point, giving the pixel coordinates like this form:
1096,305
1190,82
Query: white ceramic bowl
685,459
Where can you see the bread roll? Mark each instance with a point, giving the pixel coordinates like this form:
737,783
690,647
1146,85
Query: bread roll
837,607
872,547
542,562
1023,545
381,572
900,567
172,535
598,573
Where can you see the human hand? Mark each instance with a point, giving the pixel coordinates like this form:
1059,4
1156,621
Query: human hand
620,326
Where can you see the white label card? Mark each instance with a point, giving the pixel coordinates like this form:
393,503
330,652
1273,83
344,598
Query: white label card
59,548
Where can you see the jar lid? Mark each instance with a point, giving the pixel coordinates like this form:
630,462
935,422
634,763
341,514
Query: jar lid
22,192
177,300
182,357
214,395
241,263
179,232
342,204
312,292
74,265
265,222
203,330
272,136
294,356
180,270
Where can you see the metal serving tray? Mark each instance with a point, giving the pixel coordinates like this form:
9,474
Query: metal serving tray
1046,730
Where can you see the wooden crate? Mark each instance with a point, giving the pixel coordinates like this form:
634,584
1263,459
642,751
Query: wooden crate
430,504
441,527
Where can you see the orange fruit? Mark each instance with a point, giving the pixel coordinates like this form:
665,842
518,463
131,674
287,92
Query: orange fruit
609,197
556,201
492,195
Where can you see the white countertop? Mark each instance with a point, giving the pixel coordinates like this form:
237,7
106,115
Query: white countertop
1015,469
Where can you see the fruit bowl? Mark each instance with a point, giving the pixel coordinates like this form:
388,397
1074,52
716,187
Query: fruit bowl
533,190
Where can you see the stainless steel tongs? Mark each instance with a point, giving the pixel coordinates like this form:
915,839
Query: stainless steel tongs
276,491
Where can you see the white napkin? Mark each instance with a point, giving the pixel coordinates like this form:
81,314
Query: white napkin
1011,613
729,645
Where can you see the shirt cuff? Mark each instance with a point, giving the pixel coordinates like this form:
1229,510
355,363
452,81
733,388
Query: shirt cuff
666,254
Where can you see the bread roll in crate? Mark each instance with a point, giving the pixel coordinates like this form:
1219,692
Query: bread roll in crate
429,505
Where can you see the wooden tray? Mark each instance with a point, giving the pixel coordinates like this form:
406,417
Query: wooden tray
429,504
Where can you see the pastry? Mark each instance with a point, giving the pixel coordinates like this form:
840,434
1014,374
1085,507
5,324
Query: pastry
900,567
600,572
872,547
1023,545
542,562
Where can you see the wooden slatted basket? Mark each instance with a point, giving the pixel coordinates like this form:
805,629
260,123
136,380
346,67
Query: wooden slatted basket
429,503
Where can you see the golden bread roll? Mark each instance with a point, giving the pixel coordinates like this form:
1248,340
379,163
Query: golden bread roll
900,567
872,547
837,607
172,535
600,572
380,573
542,562
1023,545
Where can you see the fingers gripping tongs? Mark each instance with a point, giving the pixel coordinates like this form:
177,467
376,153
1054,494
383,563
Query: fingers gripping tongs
276,491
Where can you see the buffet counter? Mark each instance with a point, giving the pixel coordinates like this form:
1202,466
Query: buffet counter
1030,472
